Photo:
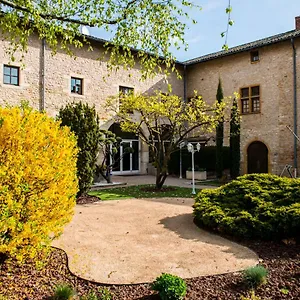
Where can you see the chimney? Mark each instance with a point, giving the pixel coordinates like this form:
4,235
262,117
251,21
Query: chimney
297,23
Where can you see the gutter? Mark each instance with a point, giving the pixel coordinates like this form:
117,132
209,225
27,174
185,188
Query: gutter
295,106
42,80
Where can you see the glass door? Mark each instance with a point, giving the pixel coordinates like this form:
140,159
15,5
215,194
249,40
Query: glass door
128,162
126,156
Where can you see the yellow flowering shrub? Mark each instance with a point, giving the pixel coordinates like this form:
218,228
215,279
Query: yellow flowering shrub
38,181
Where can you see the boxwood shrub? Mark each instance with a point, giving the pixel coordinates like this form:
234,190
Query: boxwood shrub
260,206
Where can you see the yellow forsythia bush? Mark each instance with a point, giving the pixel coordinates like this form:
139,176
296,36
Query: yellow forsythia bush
38,181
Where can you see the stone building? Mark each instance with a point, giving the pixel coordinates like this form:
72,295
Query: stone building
264,72
266,75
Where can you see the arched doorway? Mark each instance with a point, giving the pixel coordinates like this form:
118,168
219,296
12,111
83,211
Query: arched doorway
257,154
125,163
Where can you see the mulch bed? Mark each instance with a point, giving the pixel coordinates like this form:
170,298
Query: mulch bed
282,261
86,199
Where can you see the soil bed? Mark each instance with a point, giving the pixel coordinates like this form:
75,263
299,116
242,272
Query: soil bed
87,199
282,261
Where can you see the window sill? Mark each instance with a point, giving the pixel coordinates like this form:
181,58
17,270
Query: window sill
76,95
251,113
11,86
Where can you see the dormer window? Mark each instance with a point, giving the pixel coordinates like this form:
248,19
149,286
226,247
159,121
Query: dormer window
254,56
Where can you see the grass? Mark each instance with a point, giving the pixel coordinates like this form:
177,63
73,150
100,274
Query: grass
142,191
209,183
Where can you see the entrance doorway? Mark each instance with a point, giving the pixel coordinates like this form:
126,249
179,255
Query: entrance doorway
126,162
257,161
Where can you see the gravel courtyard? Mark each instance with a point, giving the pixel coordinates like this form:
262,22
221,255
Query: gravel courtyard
134,241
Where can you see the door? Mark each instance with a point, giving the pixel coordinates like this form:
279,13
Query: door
257,154
129,161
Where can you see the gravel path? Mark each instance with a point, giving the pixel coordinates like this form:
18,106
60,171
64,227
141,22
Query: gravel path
134,241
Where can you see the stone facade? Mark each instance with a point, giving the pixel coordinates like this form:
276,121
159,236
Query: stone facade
98,83
273,73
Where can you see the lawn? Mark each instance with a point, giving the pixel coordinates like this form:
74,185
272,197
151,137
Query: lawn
209,182
142,191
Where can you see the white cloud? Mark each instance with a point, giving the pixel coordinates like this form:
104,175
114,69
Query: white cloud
195,39
212,5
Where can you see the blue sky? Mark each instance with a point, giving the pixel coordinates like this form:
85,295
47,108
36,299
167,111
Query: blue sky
254,19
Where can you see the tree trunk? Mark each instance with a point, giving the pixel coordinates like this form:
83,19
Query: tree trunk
160,179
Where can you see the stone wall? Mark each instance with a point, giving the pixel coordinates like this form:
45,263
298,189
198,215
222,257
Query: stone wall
90,66
274,74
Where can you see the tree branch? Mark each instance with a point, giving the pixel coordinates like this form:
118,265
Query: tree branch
68,19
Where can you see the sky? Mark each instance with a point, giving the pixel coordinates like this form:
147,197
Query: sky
253,20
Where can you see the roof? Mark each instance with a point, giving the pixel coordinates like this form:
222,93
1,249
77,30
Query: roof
103,42
245,47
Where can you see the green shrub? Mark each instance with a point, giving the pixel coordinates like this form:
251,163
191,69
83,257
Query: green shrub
252,297
84,122
63,292
105,294
255,276
170,287
205,159
254,206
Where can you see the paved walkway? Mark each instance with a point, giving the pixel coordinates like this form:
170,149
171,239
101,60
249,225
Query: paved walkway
134,241
150,179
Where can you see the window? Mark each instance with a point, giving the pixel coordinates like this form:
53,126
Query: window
250,100
125,91
254,56
76,85
11,75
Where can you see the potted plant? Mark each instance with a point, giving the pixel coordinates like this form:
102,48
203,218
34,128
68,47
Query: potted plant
200,173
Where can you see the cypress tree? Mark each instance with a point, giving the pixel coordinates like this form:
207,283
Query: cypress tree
84,122
219,136
234,141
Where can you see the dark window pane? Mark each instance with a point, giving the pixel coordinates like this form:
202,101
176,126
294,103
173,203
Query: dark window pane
135,155
255,91
76,85
245,93
6,79
125,90
254,56
126,156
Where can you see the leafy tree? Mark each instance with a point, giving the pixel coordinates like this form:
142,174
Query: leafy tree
109,145
219,136
84,122
161,122
38,181
235,140
153,26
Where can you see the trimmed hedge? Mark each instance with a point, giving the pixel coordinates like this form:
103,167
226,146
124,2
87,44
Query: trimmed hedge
260,206
204,159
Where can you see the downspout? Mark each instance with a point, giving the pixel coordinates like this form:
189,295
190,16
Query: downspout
184,84
42,70
295,107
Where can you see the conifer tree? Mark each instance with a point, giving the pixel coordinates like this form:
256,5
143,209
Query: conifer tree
219,135
84,122
234,141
